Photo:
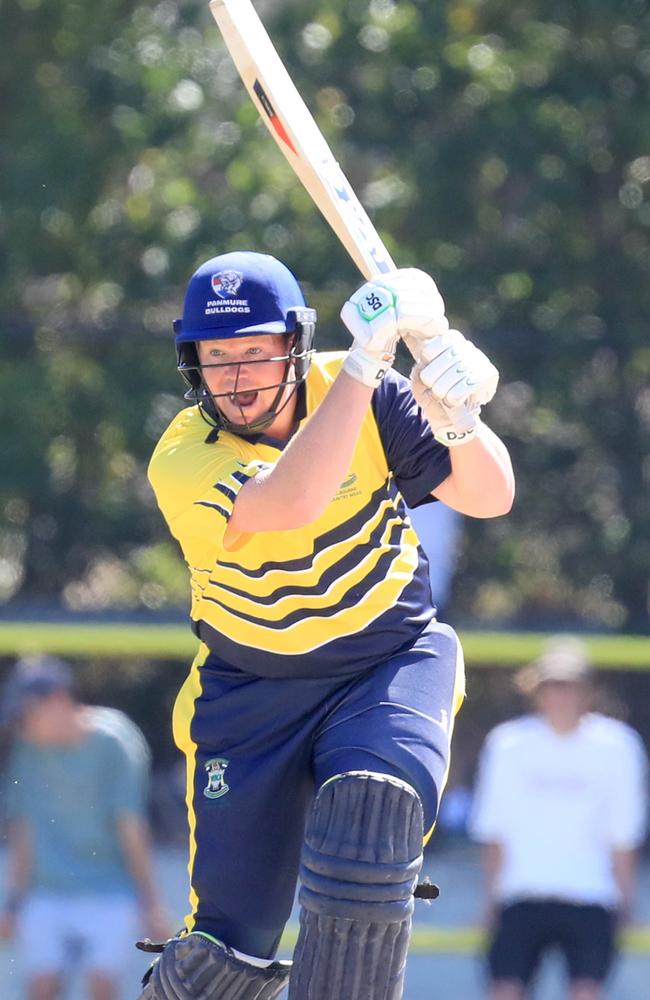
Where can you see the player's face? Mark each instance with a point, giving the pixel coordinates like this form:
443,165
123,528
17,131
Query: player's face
563,704
46,720
243,374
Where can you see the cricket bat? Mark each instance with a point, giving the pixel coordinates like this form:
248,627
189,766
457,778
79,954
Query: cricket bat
291,124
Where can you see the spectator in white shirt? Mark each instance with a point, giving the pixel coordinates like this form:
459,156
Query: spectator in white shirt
560,808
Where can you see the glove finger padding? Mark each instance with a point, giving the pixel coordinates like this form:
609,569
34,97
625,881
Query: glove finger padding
451,425
456,371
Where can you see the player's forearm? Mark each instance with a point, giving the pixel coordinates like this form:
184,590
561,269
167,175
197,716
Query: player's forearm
19,867
134,839
482,482
296,490
624,868
492,858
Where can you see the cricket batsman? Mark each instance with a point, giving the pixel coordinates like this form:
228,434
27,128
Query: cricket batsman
317,716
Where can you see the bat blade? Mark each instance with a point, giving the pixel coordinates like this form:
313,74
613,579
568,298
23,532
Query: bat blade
296,133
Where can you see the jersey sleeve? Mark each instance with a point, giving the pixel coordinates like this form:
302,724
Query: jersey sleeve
418,462
627,814
126,775
196,486
492,801
15,785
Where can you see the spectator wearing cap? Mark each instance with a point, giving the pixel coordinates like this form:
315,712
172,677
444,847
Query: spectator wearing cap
560,808
79,864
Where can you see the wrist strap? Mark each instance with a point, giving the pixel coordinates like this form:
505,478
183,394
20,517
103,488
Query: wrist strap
367,368
452,437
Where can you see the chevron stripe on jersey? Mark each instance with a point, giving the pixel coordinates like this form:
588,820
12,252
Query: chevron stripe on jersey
326,598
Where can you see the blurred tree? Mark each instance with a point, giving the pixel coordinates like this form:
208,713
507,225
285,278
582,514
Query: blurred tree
503,148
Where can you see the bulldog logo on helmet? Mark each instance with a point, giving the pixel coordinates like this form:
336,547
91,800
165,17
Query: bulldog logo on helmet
226,284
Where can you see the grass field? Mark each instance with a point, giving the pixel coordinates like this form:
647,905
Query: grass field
170,641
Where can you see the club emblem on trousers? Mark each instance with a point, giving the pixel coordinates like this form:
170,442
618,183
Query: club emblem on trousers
216,786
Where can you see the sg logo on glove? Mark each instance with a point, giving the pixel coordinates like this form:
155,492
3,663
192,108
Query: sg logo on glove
375,301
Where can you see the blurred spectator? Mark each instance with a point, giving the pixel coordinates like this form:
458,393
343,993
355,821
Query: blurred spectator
438,528
169,809
79,855
561,808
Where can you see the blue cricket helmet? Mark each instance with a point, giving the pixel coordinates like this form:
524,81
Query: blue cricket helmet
241,294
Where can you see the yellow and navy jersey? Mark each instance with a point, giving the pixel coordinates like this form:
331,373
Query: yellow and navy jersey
327,599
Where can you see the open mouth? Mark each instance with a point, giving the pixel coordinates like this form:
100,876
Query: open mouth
243,399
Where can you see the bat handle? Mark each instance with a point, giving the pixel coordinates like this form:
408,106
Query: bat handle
413,346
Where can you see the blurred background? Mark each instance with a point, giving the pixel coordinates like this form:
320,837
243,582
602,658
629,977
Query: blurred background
503,148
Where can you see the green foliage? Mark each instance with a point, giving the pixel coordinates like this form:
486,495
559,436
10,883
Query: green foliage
502,147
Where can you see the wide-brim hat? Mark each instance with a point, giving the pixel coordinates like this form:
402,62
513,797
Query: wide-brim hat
563,660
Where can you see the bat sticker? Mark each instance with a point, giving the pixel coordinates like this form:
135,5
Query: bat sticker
273,118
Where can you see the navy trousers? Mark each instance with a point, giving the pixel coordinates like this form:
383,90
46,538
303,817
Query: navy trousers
258,749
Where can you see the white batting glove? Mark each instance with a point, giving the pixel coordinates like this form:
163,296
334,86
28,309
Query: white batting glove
371,318
420,307
451,382
450,425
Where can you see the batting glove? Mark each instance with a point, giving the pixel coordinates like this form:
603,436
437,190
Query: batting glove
371,318
451,382
420,307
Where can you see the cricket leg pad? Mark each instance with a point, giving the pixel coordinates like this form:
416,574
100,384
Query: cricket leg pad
198,967
360,863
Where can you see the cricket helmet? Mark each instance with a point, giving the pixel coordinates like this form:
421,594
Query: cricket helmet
242,294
